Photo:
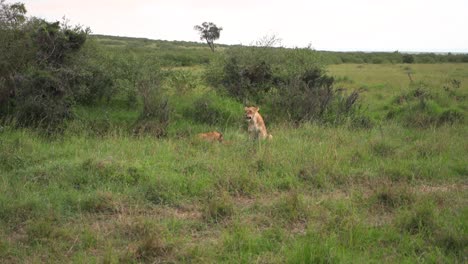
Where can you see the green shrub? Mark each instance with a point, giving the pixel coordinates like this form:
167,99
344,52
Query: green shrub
408,58
213,110
182,81
312,97
421,108
155,116
249,73
247,82
46,76
42,100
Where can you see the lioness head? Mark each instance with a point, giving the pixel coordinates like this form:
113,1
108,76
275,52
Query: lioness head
250,112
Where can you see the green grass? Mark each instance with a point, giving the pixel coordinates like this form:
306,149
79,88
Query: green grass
380,84
314,194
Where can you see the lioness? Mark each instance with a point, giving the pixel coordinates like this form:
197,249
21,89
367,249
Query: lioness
257,129
211,136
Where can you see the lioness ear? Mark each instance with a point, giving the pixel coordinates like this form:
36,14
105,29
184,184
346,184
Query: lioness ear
257,109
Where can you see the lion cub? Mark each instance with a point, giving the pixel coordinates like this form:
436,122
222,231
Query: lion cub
257,129
211,136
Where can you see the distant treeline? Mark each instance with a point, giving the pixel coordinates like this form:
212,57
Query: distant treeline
186,53
391,57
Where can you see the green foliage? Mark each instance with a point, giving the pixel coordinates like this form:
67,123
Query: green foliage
314,193
212,110
312,97
154,119
408,58
422,108
42,100
249,73
291,83
182,81
42,81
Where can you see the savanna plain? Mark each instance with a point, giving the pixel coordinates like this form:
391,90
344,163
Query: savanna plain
385,182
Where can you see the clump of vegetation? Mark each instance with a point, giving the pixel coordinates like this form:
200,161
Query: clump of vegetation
148,241
408,58
213,110
312,97
422,108
291,208
390,198
292,83
155,116
40,83
218,208
182,81
421,219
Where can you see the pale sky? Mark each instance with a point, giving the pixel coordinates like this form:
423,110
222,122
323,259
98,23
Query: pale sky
337,25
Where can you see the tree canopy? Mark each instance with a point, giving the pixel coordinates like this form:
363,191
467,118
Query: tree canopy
209,32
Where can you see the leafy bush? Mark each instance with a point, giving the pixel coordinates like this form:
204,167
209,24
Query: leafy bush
182,81
421,108
154,118
43,99
290,82
408,58
45,77
248,74
312,97
249,81
213,110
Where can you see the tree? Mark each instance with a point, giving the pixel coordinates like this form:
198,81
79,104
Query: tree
408,58
210,32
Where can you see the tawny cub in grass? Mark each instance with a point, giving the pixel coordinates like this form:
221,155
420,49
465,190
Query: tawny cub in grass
257,128
211,136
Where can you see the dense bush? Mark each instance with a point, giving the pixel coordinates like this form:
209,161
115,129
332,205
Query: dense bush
408,58
248,81
313,97
42,99
41,72
289,82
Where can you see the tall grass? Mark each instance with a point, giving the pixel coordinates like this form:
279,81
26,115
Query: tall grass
98,193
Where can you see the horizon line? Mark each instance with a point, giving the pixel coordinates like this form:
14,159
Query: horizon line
435,51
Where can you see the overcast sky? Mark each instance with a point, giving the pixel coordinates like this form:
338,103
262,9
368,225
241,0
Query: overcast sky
339,25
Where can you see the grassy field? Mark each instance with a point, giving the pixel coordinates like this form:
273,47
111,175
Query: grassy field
393,193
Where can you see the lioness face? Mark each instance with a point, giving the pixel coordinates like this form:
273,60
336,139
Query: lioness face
250,112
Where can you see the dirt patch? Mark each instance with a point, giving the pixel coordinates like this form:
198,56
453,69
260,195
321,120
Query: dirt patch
441,188
186,213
